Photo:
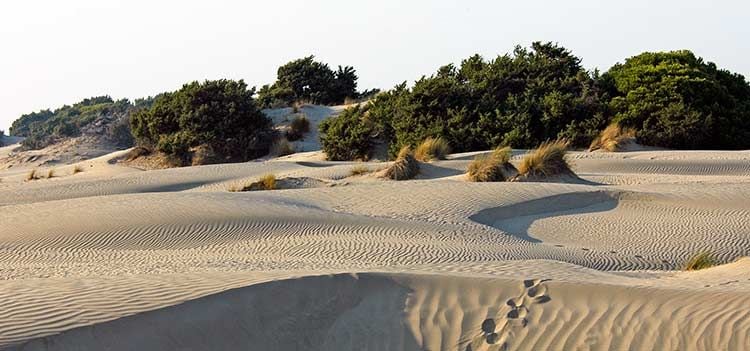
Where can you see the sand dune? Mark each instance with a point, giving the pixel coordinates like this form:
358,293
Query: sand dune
118,258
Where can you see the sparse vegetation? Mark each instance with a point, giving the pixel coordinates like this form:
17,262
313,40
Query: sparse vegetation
298,127
281,147
495,167
32,175
266,182
432,149
700,261
77,169
613,138
137,152
405,167
546,160
220,114
50,173
359,170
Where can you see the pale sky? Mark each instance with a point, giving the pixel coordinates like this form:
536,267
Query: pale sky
55,52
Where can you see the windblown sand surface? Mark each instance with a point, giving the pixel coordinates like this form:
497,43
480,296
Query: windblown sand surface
114,258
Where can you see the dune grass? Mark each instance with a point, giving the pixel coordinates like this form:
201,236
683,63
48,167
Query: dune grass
489,168
32,175
700,261
266,182
281,147
546,160
359,170
298,127
613,138
77,169
432,149
51,173
405,167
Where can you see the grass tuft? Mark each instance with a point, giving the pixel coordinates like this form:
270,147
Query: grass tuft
546,160
268,182
405,167
699,261
298,127
432,149
77,169
32,175
359,170
281,147
489,168
51,173
613,138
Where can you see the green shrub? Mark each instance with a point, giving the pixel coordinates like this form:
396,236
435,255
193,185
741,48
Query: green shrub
351,135
523,99
220,114
676,100
308,80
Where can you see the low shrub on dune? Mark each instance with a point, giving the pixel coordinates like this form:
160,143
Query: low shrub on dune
493,167
405,167
32,175
281,147
432,149
298,127
547,160
613,138
700,261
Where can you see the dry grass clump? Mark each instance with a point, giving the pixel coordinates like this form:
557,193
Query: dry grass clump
699,261
494,167
266,182
432,149
32,175
546,160
359,170
613,138
77,169
281,147
405,167
298,127
51,173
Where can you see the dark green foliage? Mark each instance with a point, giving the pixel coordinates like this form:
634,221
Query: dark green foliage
351,135
308,80
676,100
521,99
46,127
220,114
298,127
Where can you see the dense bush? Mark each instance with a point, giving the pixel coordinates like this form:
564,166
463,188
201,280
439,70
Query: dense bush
221,115
522,99
46,127
308,80
676,100
351,135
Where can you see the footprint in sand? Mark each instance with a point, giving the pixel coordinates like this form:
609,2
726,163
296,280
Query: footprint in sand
496,332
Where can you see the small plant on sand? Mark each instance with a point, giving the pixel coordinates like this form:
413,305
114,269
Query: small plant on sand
613,138
432,149
32,175
298,127
494,167
405,167
266,182
359,170
51,173
699,261
546,160
77,169
281,147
